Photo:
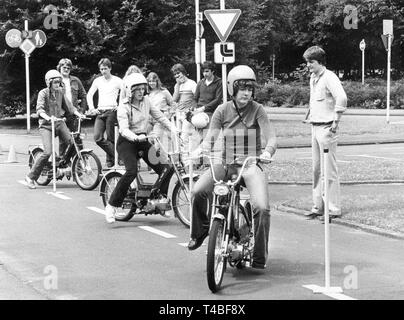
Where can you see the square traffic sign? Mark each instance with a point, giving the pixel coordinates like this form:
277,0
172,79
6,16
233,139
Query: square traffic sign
27,46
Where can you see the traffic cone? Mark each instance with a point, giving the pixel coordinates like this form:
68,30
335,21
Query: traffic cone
12,156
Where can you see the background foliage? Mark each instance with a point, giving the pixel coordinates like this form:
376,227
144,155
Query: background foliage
155,34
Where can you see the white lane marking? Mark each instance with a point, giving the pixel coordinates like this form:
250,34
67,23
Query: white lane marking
398,153
58,194
311,158
368,156
22,182
183,244
158,232
98,210
337,296
344,161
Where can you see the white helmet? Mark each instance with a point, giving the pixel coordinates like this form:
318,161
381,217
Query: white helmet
52,74
240,72
200,120
133,80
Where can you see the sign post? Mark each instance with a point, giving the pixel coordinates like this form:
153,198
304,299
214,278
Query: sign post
14,39
362,46
223,21
387,38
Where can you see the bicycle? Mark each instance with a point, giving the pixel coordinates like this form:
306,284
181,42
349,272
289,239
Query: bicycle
78,162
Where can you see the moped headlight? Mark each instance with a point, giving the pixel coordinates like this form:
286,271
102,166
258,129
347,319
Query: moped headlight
221,190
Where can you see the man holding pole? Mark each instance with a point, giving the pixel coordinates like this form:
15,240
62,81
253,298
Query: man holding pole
327,103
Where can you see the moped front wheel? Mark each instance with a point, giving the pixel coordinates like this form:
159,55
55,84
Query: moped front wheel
108,185
216,255
86,170
43,179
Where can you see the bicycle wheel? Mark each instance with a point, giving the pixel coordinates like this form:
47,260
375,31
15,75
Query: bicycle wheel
108,185
180,201
216,259
87,172
43,179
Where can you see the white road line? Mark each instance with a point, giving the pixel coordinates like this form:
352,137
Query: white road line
398,153
22,182
57,194
344,161
98,210
158,232
368,156
183,244
337,296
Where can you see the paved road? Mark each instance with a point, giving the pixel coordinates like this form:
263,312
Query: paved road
64,250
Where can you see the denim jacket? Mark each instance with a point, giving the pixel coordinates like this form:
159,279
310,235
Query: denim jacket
78,93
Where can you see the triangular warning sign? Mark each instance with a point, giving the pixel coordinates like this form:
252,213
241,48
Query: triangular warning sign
222,21
385,40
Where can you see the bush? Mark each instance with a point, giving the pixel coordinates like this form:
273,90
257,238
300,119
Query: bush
372,95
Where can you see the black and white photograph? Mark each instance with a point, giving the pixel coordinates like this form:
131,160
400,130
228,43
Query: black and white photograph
201,157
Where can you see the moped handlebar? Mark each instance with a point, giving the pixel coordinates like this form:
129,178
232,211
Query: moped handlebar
244,164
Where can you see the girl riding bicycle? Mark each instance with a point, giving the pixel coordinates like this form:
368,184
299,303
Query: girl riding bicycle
242,121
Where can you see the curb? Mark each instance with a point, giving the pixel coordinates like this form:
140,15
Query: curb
347,223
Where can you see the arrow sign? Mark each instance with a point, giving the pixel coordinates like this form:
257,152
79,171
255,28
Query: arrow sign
222,21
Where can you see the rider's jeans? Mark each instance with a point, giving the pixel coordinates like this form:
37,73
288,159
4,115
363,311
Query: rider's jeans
257,184
128,152
62,132
105,122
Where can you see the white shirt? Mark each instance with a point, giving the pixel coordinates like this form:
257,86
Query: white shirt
68,88
108,91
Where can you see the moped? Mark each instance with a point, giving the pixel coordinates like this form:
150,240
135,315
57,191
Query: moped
231,233
78,162
144,198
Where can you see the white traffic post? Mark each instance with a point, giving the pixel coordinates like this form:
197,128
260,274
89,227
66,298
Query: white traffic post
273,67
362,46
327,288
115,145
388,76
53,153
27,84
191,180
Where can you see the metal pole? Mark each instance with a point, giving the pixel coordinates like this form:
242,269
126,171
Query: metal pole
388,76
273,67
191,180
326,219
224,66
363,67
198,44
27,84
116,133
53,153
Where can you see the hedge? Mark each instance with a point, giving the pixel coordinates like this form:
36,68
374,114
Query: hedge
372,95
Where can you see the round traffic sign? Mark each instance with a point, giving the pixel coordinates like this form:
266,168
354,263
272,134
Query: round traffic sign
362,45
13,38
38,38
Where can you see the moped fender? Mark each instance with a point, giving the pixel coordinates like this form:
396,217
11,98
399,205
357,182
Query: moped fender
85,150
32,148
219,216
105,175
195,175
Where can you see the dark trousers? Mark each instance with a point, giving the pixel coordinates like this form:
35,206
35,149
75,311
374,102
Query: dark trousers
257,185
72,124
129,152
105,122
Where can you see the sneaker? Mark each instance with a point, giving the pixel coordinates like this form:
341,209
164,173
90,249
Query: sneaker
110,213
30,182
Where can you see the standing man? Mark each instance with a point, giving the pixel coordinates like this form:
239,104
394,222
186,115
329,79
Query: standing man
74,93
108,87
208,93
327,103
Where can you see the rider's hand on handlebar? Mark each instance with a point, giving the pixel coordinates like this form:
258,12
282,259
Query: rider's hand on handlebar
141,138
266,156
